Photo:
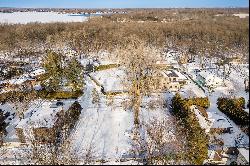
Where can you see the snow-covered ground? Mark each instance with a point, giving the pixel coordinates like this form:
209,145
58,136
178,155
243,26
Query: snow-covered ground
43,17
234,86
242,15
111,79
104,129
101,128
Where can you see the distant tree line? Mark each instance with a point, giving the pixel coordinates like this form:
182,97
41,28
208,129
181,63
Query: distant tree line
205,35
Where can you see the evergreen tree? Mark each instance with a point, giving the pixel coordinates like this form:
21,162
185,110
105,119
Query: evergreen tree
53,66
74,74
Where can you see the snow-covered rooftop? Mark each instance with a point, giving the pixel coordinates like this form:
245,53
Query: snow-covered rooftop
204,123
19,80
180,75
42,114
170,73
245,153
37,72
210,78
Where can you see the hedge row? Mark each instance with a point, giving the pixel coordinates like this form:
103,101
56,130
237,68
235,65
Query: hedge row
15,96
234,109
197,140
18,96
199,101
73,114
105,67
60,94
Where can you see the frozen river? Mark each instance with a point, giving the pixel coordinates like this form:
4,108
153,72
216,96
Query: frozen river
42,17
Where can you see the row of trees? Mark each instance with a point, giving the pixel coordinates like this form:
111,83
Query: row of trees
205,35
197,140
2,127
234,109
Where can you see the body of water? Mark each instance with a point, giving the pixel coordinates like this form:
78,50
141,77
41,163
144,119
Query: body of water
42,17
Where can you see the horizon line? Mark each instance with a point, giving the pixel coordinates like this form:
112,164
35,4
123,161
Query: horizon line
227,7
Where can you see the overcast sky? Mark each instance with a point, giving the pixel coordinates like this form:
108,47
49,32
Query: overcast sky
123,3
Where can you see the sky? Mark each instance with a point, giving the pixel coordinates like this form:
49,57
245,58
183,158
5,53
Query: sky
123,3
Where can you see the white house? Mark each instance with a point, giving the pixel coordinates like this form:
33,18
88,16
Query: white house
172,80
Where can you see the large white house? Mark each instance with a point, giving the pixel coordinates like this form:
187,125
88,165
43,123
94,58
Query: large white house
172,80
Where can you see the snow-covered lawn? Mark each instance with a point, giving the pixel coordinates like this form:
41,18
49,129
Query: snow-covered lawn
104,130
111,79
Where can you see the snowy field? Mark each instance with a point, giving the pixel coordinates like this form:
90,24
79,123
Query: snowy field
111,79
242,15
43,17
105,130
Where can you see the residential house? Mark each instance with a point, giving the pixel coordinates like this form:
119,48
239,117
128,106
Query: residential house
216,157
172,80
44,122
243,156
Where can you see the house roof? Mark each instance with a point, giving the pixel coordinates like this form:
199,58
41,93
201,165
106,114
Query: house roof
245,153
37,72
19,80
210,78
170,73
42,114
180,75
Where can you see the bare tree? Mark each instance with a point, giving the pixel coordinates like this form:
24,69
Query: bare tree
163,143
139,62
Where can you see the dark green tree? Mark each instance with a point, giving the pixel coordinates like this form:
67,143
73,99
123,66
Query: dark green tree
53,66
74,74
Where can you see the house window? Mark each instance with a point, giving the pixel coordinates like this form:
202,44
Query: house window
174,79
170,87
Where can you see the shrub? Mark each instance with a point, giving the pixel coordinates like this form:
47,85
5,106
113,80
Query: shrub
15,96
